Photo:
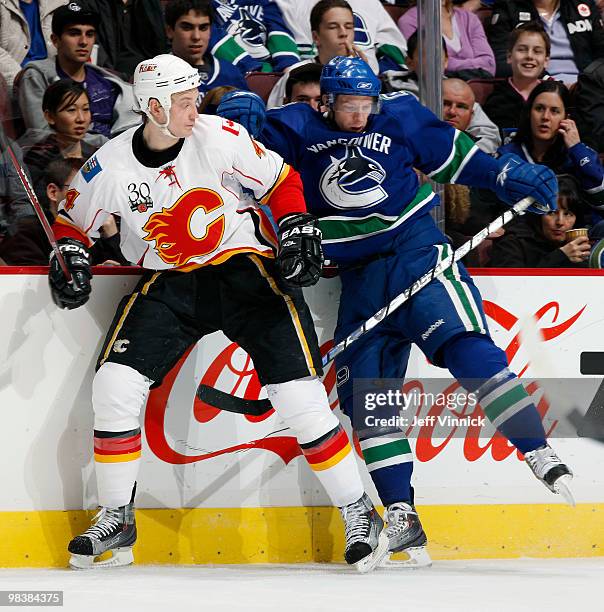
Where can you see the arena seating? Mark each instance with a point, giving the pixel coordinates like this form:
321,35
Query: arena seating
262,83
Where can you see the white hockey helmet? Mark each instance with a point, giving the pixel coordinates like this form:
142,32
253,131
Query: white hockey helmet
160,77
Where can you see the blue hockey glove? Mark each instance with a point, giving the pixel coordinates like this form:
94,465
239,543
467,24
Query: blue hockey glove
300,256
244,107
517,179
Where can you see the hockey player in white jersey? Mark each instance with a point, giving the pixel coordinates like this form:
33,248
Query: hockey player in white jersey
176,183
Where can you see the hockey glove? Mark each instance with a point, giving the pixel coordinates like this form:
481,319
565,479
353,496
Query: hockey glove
74,293
517,179
300,257
246,108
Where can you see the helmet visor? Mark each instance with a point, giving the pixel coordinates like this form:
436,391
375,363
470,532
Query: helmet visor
363,105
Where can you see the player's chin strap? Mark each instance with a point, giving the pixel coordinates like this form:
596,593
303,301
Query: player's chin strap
163,127
231,403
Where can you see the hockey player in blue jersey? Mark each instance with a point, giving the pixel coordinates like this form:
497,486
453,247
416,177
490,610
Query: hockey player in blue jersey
357,164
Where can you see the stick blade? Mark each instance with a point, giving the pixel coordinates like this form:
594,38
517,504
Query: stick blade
231,403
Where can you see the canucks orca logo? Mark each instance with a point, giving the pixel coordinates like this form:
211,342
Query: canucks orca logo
362,37
251,30
354,181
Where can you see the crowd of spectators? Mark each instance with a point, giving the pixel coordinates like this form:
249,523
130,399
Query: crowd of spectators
519,76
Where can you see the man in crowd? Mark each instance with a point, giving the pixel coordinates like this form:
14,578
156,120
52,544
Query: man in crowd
375,33
73,35
575,30
528,54
332,26
303,85
189,28
258,26
461,110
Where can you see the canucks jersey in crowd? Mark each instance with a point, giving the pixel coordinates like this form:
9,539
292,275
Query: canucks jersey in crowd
215,72
363,187
258,26
375,32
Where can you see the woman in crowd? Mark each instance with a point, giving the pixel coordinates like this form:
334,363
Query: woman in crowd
540,241
547,135
67,112
470,55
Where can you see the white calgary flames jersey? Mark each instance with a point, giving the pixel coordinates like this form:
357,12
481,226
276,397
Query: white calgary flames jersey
186,213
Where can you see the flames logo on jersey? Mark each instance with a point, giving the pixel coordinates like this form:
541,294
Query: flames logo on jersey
175,230
70,198
353,181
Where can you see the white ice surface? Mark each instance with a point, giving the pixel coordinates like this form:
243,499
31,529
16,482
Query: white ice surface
544,585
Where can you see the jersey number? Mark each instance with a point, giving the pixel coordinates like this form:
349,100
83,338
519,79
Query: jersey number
138,193
182,231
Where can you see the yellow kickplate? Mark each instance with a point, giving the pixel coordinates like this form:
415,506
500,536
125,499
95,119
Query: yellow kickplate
302,535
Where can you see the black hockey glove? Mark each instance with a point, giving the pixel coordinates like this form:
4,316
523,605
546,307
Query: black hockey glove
77,258
300,257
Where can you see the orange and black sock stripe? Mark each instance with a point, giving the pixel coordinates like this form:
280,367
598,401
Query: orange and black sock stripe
328,450
117,446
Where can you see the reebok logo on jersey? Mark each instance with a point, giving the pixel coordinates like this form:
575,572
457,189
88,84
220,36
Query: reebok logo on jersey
432,328
584,161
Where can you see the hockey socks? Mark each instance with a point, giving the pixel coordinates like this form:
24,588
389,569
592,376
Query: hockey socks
304,407
332,460
390,464
512,411
481,367
117,458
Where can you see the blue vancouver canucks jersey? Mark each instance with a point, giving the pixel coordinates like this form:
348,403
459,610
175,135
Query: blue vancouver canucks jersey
363,187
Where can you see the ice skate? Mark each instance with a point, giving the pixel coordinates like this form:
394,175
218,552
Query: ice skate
406,535
366,540
113,530
550,470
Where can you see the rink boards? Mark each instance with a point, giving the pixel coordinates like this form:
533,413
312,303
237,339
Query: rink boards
223,488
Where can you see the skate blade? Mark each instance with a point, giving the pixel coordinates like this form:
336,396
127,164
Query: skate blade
561,487
371,561
119,557
413,558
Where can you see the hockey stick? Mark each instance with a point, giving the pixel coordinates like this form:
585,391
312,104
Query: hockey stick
33,199
518,209
231,403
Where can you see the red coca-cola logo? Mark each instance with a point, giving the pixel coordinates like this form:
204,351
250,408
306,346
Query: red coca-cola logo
244,382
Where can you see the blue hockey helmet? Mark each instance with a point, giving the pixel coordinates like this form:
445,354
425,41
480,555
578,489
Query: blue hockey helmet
349,76
244,107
